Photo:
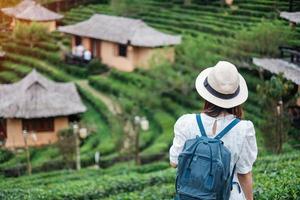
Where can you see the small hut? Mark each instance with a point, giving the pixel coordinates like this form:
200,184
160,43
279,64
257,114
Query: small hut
292,17
289,70
36,105
121,42
28,11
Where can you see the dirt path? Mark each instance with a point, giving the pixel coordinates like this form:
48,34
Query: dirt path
111,104
114,107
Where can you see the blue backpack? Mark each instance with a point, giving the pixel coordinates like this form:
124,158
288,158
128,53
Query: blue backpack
203,170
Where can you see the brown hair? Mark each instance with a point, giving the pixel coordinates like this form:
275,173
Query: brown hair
212,110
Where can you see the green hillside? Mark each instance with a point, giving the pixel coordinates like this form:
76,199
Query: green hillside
208,36
274,177
210,32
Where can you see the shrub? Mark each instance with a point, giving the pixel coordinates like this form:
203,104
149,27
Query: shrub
66,145
264,39
5,155
125,7
97,67
32,33
275,97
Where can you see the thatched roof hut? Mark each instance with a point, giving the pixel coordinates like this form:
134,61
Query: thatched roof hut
121,30
293,17
31,11
37,97
289,70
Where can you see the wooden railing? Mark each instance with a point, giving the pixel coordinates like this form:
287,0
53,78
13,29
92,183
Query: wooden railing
292,52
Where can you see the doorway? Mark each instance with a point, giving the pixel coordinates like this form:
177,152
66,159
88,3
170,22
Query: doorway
96,48
3,134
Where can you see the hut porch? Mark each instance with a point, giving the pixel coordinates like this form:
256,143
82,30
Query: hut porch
120,42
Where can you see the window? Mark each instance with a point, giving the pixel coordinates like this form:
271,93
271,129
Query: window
38,125
122,50
77,41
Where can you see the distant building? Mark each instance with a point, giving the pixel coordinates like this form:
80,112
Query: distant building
36,105
29,11
290,71
292,17
120,42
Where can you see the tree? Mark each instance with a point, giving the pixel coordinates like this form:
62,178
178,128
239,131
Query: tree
263,39
187,2
275,96
31,33
66,145
126,7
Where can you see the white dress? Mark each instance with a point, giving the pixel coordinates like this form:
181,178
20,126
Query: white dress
240,140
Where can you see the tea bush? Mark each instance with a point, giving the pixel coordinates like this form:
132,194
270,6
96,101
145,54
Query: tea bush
275,177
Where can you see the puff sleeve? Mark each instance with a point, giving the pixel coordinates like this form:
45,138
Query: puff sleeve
248,152
180,136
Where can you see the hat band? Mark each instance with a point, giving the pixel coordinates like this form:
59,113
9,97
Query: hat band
218,94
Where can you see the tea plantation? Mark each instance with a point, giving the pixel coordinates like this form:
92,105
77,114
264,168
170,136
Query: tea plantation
274,177
210,32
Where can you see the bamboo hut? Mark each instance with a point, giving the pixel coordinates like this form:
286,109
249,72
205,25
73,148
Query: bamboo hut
289,70
28,11
121,42
292,17
36,105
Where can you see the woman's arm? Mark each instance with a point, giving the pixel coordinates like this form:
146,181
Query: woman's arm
246,184
173,165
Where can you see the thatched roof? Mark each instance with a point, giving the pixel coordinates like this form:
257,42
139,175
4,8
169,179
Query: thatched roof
37,97
291,16
290,71
121,30
30,10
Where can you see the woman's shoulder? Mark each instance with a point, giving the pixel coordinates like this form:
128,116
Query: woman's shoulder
185,117
185,121
247,127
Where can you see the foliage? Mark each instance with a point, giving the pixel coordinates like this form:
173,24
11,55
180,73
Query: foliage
163,141
275,177
206,40
263,39
5,155
275,96
126,7
97,67
66,145
32,33
46,55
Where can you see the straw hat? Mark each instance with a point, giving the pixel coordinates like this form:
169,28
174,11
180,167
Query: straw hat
222,85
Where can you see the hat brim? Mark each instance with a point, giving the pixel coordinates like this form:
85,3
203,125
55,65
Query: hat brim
223,103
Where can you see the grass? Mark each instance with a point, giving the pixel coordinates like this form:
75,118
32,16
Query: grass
274,177
209,34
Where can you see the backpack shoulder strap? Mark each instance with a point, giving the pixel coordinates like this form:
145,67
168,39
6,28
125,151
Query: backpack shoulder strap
227,128
200,125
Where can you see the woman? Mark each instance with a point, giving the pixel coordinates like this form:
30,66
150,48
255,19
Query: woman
224,90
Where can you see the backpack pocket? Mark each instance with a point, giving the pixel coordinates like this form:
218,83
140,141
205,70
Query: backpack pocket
205,173
200,196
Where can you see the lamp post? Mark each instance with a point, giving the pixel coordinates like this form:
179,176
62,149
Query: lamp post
97,159
140,123
78,133
279,124
25,136
77,142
